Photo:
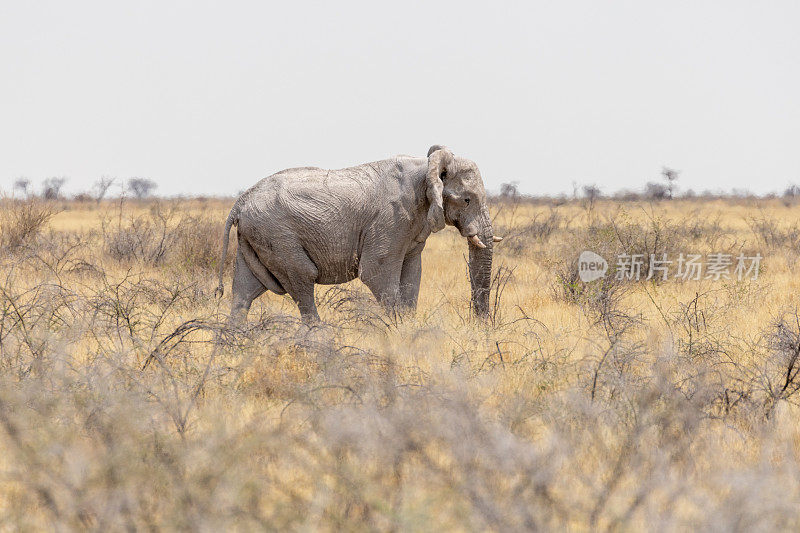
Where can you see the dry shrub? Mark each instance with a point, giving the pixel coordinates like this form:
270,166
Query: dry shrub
144,238
354,308
611,238
697,228
741,378
537,230
773,235
198,244
349,438
166,236
780,377
21,221
658,236
127,402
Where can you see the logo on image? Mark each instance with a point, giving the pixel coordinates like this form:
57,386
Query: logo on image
591,266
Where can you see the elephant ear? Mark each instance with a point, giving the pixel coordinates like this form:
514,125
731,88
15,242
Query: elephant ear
438,159
434,148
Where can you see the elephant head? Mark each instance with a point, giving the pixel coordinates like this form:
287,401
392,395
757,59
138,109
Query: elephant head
457,198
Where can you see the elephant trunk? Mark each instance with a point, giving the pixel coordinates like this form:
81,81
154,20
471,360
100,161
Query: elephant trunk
480,266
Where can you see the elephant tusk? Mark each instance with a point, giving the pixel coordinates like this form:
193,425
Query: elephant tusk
476,241
496,239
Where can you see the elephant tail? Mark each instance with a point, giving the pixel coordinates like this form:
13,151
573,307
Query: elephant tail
233,219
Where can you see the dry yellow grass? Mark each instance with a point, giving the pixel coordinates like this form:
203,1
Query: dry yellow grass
603,406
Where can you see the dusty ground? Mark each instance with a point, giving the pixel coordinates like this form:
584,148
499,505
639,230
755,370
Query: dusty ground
124,402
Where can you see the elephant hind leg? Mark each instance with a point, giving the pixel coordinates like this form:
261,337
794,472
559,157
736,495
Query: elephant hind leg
300,284
302,292
295,273
258,269
246,288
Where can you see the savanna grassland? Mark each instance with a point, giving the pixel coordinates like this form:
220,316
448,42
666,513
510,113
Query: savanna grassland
126,402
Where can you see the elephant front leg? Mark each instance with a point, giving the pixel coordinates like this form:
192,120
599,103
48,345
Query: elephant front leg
409,281
384,283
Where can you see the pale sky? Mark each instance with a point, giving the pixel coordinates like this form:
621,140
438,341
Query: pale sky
208,97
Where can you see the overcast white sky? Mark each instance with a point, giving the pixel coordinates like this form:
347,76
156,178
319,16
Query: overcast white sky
208,97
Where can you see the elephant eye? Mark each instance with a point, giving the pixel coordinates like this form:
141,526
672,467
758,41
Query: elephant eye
443,175
466,201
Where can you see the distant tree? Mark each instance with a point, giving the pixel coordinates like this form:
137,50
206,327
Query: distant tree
656,191
592,192
101,187
83,197
509,190
23,185
670,176
51,188
791,191
141,187
627,195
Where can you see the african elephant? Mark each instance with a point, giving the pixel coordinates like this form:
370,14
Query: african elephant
308,225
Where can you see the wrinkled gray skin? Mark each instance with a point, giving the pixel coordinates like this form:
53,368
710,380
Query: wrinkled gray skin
308,225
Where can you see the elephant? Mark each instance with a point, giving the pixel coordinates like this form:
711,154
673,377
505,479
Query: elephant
306,226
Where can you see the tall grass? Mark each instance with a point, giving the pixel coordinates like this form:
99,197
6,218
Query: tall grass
127,402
